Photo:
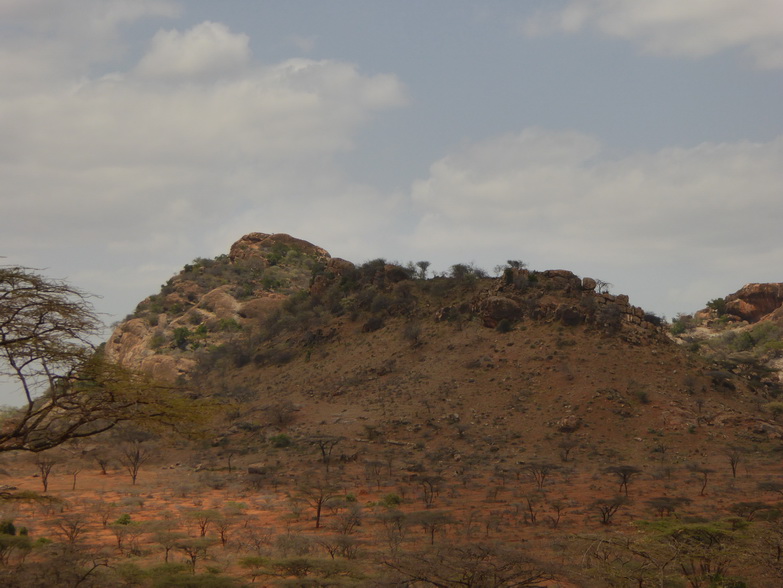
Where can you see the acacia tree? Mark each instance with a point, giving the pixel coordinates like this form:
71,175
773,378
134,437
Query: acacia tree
476,564
608,507
69,388
624,474
539,471
317,492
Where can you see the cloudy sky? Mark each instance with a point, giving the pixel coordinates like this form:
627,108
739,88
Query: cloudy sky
640,143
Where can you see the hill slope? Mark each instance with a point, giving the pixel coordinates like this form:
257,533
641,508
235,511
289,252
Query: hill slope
533,411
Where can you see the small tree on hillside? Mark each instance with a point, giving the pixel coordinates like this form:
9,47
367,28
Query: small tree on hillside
423,266
734,455
326,444
45,463
432,521
704,473
539,472
132,456
624,474
316,492
430,486
608,507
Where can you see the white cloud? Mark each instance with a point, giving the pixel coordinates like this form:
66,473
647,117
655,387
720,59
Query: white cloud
696,28
155,160
45,42
554,198
208,49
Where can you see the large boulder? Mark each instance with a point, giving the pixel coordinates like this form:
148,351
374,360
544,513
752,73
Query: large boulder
754,301
128,344
220,302
496,308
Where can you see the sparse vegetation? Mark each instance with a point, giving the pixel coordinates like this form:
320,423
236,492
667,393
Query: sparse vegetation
574,442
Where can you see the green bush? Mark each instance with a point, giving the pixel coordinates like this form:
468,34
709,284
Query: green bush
280,441
181,337
718,305
7,527
392,500
227,325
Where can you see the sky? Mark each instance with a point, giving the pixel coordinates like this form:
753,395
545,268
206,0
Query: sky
639,143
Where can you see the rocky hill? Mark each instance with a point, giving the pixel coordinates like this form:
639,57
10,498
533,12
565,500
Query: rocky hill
278,320
213,299
516,398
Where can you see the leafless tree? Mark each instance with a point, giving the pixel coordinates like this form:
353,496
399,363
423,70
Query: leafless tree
132,456
566,445
281,413
704,472
71,526
608,507
734,455
539,471
559,507
430,486
45,463
603,287
326,444
103,462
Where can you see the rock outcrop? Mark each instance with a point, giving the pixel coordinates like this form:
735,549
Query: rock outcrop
130,346
211,299
263,245
754,301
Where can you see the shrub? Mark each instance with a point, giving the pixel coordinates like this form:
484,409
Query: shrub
181,337
280,441
466,273
412,333
718,305
392,500
504,326
373,324
381,302
227,325
7,528
776,408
